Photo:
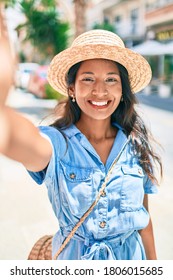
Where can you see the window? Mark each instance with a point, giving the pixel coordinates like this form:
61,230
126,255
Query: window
118,24
134,18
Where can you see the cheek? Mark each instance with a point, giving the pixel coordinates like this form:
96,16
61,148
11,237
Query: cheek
80,89
81,102
119,88
81,92
118,92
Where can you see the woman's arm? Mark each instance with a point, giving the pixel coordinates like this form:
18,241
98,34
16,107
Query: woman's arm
148,236
20,140
7,58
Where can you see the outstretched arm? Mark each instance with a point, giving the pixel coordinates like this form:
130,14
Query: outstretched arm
19,138
148,236
24,143
6,59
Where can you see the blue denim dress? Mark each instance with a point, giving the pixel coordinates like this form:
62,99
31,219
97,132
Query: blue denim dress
73,178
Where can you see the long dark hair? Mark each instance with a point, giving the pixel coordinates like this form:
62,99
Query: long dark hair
125,115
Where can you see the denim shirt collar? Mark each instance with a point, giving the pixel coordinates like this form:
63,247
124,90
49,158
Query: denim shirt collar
73,130
119,142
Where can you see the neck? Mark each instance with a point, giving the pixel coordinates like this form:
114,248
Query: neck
96,130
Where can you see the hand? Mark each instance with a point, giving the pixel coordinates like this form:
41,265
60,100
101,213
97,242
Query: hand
6,60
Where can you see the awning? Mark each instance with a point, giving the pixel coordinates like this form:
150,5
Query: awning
169,48
150,47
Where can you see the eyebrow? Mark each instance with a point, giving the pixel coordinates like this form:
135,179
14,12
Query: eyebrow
110,73
113,73
87,73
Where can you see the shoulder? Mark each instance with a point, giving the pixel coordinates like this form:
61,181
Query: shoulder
48,130
53,133
56,137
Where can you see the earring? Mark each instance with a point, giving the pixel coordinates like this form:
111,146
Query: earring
122,98
73,98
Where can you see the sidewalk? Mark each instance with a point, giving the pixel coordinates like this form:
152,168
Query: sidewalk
156,101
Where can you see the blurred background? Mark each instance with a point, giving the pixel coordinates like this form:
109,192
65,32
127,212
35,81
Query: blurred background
38,30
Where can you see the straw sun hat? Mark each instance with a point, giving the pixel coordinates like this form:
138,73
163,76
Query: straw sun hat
99,44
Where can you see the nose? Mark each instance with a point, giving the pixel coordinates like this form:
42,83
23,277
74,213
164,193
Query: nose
99,89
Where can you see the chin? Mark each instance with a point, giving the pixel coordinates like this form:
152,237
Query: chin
100,118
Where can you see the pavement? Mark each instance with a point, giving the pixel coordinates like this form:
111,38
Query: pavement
26,213
156,101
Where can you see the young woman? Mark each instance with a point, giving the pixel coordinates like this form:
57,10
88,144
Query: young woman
98,134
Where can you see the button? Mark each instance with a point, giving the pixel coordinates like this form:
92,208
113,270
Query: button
140,171
102,224
72,175
103,193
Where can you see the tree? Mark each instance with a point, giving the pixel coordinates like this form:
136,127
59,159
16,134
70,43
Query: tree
105,26
80,19
43,27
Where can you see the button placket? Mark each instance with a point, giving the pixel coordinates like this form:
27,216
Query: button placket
102,224
72,175
103,193
102,214
139,171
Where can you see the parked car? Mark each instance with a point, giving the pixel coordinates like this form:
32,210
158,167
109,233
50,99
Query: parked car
37,81
23,73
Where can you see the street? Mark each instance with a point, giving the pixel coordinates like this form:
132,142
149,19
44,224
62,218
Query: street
25,212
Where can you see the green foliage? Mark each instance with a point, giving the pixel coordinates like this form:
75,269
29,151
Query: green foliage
22,57
49,3
43,27
105,26
52,93
9,2
44,3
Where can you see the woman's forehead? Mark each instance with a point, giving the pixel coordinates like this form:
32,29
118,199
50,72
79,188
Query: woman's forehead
103,63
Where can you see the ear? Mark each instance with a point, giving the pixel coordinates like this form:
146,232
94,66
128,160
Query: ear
71,90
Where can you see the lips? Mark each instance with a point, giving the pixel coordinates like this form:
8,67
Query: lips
99,103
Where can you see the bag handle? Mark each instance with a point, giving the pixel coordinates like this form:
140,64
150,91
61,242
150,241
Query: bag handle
86,214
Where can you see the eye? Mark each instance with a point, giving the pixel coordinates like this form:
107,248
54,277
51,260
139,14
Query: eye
111,80
88,79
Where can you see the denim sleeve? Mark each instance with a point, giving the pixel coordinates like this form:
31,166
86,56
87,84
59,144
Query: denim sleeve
149,187
55,138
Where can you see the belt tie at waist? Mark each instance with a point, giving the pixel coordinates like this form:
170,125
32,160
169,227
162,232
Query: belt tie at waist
100,249
103,249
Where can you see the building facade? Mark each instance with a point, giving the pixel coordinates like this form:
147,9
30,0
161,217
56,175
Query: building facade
159,19
127,18
134,20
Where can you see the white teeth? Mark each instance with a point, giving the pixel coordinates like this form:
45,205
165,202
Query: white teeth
102,103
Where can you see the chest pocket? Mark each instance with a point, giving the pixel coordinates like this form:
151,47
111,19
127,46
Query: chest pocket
77,190
132,191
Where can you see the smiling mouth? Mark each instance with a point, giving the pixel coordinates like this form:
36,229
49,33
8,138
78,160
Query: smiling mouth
99,103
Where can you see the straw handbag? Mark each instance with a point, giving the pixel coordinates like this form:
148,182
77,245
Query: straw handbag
42,249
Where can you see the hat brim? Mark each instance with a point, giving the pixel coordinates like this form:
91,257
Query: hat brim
137,66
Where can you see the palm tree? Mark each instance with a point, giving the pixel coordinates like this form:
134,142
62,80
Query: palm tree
43,28
80,18
45,31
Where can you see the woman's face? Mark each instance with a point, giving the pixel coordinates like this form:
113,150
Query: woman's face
97,88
